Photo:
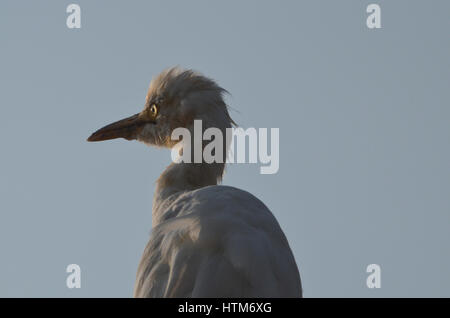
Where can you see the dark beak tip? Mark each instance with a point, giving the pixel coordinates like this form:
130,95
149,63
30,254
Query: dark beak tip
92,138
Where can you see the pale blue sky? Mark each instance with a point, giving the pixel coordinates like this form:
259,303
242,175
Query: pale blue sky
364,136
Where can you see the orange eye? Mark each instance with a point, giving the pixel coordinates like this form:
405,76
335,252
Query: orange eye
154,110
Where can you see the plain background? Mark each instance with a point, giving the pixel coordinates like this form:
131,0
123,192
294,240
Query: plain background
364,136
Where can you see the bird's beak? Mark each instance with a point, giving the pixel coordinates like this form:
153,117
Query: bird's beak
127,128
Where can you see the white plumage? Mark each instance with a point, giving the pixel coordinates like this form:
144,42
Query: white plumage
217,241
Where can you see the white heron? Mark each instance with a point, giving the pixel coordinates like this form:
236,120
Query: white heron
207,240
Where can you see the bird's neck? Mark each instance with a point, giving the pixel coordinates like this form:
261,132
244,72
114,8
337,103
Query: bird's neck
178,178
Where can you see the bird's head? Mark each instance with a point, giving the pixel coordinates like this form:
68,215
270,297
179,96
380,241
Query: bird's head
176,98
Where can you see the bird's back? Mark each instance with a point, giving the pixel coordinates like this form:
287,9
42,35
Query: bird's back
217,241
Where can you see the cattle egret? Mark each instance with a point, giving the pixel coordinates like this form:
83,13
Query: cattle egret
207,240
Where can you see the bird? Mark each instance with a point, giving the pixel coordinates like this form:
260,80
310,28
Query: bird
206,239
